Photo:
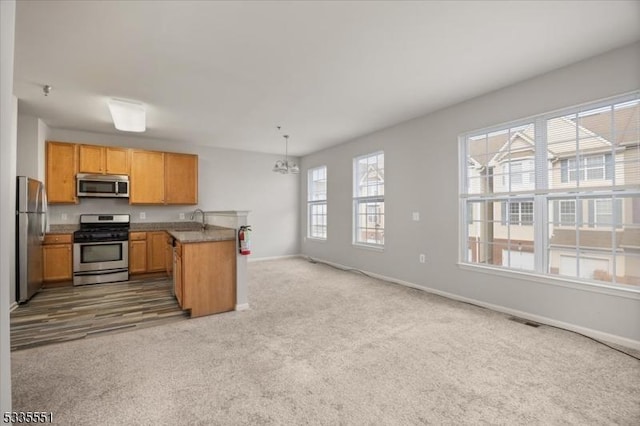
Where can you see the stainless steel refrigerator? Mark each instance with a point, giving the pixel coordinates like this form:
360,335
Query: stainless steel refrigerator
31,223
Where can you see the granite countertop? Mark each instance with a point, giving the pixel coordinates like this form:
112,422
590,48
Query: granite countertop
165,226
62,229
211,233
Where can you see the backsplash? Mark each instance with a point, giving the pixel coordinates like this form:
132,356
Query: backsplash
66,214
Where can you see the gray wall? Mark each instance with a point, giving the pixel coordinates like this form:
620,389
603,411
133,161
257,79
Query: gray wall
421,160
228,180
8,108
27,146
32,132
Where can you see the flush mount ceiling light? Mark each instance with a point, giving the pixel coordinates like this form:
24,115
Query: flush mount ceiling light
127,116
285,166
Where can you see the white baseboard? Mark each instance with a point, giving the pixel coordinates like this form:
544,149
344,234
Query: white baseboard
598,335
242,307
260,259
13,306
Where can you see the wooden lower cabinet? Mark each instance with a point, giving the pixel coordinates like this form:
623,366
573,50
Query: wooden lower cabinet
178,275
57,258
156,251
205,280
168,254
148,252
137,252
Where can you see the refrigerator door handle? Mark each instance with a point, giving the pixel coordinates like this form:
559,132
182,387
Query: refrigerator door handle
44,221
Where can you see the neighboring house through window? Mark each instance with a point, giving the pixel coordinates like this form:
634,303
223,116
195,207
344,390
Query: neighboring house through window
317,203
556,194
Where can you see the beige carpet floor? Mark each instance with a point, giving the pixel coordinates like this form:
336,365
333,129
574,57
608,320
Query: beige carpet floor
321,346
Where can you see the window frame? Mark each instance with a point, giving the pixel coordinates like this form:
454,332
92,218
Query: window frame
313,202
543,194
375,199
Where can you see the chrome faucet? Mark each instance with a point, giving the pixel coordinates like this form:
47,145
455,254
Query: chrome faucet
193,215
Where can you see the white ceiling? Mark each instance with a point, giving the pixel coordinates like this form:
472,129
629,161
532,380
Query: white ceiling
227,73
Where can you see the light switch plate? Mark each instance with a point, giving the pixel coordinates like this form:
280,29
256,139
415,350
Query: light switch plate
416,216
181,216
63,216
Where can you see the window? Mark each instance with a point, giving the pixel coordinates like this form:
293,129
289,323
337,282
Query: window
368,199
521,213
317,203
603,212
593,167
556,194
567,210
520,175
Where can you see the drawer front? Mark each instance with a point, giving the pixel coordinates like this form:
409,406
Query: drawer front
137,236
58,239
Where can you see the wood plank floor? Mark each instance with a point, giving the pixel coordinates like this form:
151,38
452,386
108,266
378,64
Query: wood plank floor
61,314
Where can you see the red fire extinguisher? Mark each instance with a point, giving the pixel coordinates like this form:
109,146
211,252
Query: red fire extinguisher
244,242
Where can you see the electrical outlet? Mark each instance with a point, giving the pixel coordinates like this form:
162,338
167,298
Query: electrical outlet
181,216
422,258
143,215
416,216
63,216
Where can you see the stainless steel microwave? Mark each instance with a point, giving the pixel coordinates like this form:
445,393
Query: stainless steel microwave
109,186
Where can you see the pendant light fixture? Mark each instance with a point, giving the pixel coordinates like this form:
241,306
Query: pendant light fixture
285,166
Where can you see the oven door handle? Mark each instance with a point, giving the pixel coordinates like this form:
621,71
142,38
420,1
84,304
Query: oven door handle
102,243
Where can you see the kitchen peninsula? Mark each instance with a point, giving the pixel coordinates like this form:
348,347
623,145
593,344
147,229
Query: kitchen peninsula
202,262
204,270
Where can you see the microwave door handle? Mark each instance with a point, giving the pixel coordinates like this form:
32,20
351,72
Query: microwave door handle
117,188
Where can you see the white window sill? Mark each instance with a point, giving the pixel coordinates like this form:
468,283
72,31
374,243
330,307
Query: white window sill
316,239
630,293
368,247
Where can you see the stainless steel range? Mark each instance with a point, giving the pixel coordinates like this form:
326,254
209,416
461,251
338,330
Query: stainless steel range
101,249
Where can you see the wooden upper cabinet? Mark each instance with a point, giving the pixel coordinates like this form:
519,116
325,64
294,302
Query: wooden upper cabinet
147,177
90,159
117,161
181,178
154,177
61,169
103,160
